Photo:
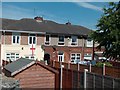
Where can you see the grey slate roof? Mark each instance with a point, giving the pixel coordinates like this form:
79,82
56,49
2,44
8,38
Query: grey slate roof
47,26
18,64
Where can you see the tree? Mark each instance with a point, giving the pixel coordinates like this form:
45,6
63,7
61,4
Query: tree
108,33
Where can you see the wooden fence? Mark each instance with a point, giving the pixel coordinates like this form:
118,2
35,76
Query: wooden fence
100,81
73,74
109,71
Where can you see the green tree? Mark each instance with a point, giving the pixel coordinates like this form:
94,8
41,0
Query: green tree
108,31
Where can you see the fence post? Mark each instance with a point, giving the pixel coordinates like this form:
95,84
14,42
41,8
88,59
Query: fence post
102,81
90,68
69,65
61,74
78,67
53,63
104,69
113,83
85,71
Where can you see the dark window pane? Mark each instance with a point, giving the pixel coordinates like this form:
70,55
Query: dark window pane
61,38
30,40
17,39
47,37
34,40
74,39
13,39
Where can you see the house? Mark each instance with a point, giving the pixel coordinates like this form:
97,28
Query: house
44,40
32,74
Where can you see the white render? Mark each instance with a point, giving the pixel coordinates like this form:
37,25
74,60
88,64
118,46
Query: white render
38,52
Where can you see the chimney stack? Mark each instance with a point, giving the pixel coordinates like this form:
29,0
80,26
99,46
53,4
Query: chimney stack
68,23
39,19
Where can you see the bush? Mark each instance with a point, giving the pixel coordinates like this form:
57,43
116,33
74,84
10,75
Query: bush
100,64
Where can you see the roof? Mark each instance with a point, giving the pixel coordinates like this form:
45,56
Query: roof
47,26
23,63
18,65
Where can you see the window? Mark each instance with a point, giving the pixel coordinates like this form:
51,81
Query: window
61,40
47,39
88,56
89,43
61,56
29,57
12,56
15,38
32,39
74,40
75,57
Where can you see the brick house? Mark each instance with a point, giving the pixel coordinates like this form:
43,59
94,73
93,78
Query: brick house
44,40
32,74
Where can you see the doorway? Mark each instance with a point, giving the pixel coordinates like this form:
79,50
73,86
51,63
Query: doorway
47,58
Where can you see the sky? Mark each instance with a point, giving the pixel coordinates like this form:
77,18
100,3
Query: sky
85,14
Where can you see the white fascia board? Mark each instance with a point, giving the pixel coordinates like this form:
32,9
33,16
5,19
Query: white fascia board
23,31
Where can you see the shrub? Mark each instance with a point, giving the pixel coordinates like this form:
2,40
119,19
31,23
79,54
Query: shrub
100,64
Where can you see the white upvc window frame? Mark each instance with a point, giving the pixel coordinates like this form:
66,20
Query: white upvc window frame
12,54
61,56
75,56
16,35
88,56
74,43
89,43
30,57
49,42
32,36
60,42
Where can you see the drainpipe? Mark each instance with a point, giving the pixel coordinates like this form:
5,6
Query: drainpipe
61,70
83,49
93,50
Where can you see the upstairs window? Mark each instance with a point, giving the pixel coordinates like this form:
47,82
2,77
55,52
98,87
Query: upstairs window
32,39
61,40
74,40
16,38
47,40
89,43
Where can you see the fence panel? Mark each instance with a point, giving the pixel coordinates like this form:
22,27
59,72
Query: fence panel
100,81
108,82
89,80
117,83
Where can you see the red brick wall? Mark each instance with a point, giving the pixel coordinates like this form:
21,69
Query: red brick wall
67,52
7,38
36,77
24,39
40,39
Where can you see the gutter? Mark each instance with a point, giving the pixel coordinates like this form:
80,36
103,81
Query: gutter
23,31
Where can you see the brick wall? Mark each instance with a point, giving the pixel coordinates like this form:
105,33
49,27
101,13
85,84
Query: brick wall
24,39
67,52
40,39
7,39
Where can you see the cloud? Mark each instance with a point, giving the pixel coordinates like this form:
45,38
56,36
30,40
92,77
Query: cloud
89,6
